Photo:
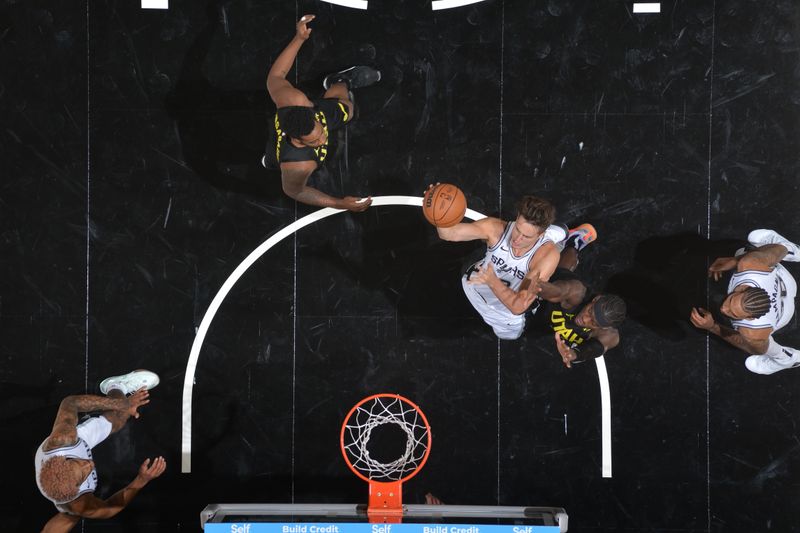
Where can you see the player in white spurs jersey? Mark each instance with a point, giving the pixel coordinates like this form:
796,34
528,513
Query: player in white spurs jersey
65,471
760,301
518,252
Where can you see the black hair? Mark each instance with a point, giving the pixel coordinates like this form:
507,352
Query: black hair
755,302
613,309
298,121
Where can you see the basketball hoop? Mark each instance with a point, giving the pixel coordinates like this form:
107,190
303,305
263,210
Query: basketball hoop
385,477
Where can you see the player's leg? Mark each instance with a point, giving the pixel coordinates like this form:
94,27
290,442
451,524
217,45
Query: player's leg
340,84
577,239
118,419
775,359
760,237
121,386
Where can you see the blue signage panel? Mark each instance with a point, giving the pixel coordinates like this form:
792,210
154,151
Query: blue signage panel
345,527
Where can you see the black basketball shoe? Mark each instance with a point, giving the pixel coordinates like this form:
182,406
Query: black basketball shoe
355,77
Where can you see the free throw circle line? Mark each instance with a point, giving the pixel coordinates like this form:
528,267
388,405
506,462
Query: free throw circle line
208,317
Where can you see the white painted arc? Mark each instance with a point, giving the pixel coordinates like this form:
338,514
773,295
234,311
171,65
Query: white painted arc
205,323
356,4
449,4
640,7
155,4
435,4
605,413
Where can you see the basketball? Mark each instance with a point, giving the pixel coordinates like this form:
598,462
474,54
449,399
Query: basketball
444,205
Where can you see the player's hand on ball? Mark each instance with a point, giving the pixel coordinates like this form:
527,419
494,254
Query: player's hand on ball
151,470
444,205
431,186
702,318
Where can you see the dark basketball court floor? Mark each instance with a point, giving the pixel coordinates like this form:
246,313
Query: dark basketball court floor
132,189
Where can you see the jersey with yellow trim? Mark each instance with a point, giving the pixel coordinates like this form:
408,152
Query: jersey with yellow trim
329,112
563,322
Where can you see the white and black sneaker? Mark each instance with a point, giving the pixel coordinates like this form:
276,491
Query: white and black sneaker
766,365
354,77
131,382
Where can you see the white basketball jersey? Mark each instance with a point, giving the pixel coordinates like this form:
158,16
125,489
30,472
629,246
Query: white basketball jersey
508,267
511,269
775,286
79,450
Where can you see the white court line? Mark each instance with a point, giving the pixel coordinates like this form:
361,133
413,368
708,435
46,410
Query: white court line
357,4
155,4
647,7
447,4
194,354
605,406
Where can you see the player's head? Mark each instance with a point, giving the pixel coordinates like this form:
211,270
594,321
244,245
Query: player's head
604,311
61,477
533,216
536,211
746,302
301,124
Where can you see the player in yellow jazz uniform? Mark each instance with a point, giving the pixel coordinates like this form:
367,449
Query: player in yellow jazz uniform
585,324
302,126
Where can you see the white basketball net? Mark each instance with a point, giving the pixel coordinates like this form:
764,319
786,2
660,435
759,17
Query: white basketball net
380,411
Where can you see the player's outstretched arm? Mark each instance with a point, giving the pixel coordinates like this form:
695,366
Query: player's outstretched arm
64,428
486,229
90,506
567,293
752,341
294,177
280,90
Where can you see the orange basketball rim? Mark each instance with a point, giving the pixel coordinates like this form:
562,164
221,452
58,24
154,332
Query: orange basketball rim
385,478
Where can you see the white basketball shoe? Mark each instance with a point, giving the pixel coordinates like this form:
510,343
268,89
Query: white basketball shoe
131,382
764,364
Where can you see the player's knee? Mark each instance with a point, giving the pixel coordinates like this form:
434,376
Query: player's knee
756,236
506,335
